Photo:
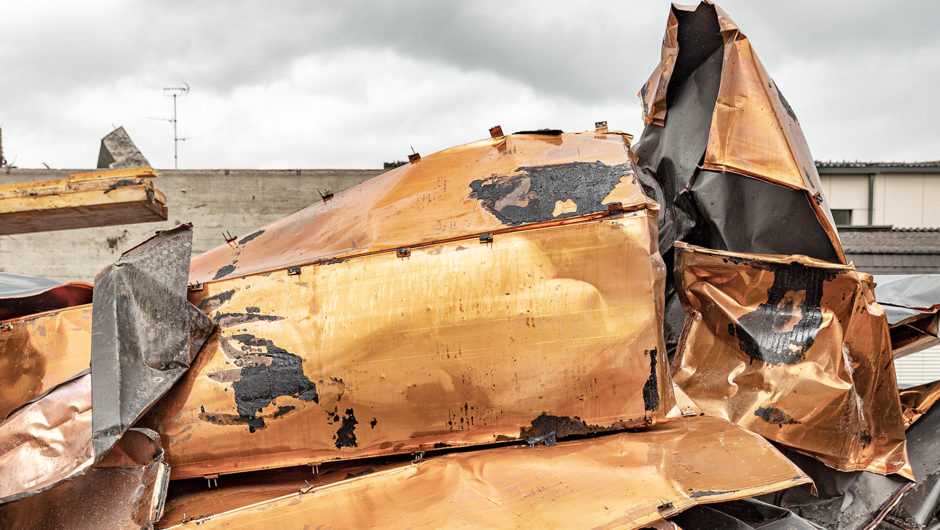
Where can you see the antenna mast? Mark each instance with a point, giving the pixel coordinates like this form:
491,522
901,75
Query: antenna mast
175,91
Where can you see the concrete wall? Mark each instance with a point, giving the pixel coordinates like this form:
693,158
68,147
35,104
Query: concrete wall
237,201
905,200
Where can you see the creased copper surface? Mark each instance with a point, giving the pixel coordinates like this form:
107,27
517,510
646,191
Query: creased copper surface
653,93
623,480
536,335
47,441
124,491
794,349
484,186
917,400
40,352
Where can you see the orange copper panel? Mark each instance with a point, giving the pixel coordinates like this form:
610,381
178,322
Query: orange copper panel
47,441
653,93
39,352
794,349
917,400
485,186
538,334
624,480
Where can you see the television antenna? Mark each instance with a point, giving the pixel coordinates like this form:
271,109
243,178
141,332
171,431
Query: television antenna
174,92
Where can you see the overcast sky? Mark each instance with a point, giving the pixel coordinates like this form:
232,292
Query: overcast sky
351,84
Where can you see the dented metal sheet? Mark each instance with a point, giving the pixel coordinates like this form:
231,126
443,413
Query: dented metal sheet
917,400
794,349
537,335
27,295
482,187
145,332
624,480
912,303
40,352
124,491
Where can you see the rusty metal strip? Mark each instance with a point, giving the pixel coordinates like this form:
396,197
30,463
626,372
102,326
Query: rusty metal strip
482,187
40,352
535,335
125,491
794,349
624,480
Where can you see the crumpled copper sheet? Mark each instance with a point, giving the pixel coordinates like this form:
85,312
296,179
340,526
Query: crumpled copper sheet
40,352
917,400
653,93
537,335
21,296
624,480
485,186
794,349
47,441
912,303
124,491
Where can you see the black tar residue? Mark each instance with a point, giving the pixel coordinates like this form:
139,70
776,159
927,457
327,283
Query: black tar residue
708,493
227,320
547,428
775,416
284,410
224,271
797,291
540,187
215,300
261,384
346,435
550,132
249,237
120,184
252,310
651,388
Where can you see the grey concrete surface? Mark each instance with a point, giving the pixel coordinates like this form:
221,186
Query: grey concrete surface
237,201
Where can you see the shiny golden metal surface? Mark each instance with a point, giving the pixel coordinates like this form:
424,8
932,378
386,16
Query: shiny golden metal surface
624,480
39,352
653,93
917,400
486,186
46,441
538,334
794,349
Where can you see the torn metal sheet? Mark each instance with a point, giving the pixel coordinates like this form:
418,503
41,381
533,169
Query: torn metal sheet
40,352
487,186
920,507
917,400
794,349
124,491
533,335
912,303
627,480
145,333
47,441
744,514
27,295
83,200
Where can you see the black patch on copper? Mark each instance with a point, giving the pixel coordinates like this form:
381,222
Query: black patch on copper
651,388
346,435
249,237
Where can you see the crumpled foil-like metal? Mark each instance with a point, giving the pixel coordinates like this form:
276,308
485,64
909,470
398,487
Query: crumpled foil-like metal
912,303
145,333
917,400
653,93
536,335
624,480
794,349
27,295
40,352
124,491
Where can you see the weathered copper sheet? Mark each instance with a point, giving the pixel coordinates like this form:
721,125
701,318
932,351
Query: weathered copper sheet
917,400
624,480
47,441
794,349
40,352
538,334
653,93
485,186
123,491
27,295
83,200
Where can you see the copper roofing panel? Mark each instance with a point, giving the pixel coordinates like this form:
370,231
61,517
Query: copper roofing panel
624,480
40,352
794,349
536,335
486,186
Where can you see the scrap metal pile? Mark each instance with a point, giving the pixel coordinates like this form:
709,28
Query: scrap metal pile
535,330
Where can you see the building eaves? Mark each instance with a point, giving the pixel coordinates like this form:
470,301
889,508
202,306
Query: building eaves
856,167
891,241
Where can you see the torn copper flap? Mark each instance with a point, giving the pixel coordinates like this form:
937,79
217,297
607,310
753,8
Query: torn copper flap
653,94
486,186
794,349
47,441
27,295
124,491
536,335
917,400
145,332
40,352
626,480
